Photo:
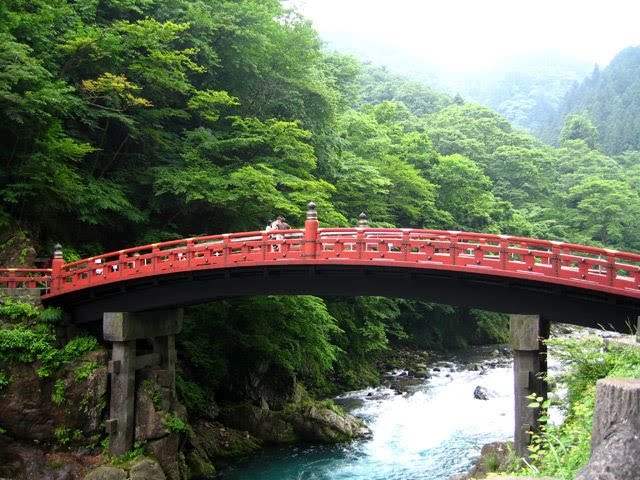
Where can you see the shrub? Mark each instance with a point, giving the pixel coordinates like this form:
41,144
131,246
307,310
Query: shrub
84,370
23,344
173,424
57,396
192,396
15,310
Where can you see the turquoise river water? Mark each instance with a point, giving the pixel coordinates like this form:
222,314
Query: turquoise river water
433,432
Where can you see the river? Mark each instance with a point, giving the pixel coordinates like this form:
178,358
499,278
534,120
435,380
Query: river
433,431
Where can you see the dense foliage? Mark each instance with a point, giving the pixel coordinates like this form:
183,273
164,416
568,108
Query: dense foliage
124,122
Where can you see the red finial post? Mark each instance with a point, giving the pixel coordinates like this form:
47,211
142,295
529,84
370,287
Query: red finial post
310,231
56,266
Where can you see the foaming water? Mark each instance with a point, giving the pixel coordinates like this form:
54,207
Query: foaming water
433,432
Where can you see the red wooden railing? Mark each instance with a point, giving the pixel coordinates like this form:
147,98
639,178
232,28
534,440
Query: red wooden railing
548,261
38,278
542,260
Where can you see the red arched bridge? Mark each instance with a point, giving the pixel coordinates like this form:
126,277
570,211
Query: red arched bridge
137,293
562,281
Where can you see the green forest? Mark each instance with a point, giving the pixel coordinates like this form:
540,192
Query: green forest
126,122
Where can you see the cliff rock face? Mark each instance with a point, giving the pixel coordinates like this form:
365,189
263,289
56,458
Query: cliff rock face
154,400
16,250
270,386
64,407
49,422
24,460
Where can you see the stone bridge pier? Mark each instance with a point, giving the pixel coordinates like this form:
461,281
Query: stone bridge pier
527,334
124,330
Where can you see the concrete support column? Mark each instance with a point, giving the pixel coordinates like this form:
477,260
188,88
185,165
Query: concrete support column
165,346
123,329
526,336
122,405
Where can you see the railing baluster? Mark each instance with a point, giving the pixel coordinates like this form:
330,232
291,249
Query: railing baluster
611,269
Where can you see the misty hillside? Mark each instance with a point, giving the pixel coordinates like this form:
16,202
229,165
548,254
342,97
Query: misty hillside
611,100
527,90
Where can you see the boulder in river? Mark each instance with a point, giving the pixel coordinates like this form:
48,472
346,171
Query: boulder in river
307,421
481,393
140,469
106,473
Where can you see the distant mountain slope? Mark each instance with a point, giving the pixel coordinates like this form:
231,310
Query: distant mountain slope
611,100
527,91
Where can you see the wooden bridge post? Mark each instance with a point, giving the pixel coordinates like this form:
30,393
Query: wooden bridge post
526,336
165,346
123,329
310,238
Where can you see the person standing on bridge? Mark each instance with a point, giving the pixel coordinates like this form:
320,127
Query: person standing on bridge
282,224
271,226
279,225
98,270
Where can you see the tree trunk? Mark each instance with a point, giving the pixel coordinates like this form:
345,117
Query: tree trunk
615,449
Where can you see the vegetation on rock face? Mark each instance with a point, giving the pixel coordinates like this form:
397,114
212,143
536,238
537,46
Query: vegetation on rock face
35,341
53,396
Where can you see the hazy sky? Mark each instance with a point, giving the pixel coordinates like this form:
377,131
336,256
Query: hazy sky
470,34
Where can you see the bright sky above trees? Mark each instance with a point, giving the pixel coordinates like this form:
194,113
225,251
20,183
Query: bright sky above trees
472,34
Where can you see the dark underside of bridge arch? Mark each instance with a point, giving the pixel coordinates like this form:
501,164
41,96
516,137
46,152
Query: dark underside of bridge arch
559,303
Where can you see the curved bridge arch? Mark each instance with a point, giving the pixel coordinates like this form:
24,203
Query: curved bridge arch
565,282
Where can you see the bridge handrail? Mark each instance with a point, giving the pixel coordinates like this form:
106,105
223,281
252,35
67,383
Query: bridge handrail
584,266
37,278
